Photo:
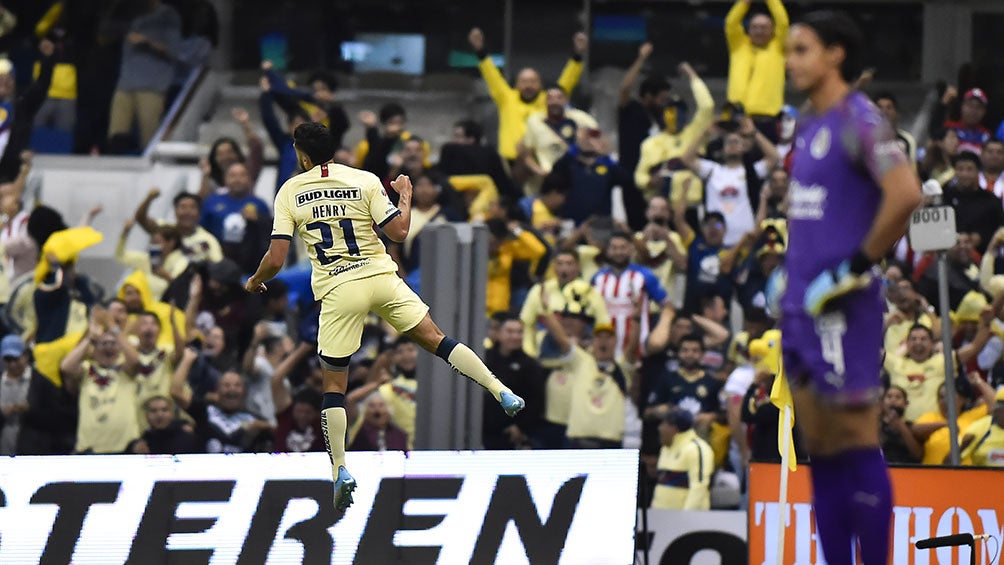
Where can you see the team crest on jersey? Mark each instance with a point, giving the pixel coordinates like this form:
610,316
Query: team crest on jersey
601,169
702,391
820,143
567,131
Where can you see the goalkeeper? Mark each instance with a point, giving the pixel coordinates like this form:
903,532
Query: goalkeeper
852,192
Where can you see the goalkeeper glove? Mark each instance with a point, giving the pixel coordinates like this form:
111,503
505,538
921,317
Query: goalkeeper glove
849,276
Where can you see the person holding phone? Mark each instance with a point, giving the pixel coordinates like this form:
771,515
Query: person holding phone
898,442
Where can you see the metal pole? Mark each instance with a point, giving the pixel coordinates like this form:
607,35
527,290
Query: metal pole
946,344
587,28
507,40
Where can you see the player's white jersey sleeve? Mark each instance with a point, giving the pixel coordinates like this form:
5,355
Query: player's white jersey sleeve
382,210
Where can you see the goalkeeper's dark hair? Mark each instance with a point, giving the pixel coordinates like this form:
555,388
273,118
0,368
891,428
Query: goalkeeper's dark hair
315,141
837,28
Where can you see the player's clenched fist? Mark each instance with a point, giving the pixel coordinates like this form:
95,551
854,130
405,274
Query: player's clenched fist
254,286
402,185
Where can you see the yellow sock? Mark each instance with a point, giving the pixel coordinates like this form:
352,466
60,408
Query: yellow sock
333,424
467,363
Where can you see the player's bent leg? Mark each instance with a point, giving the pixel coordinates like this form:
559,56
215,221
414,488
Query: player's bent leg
428,335
334,424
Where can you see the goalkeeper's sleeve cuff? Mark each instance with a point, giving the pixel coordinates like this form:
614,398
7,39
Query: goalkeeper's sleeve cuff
860,263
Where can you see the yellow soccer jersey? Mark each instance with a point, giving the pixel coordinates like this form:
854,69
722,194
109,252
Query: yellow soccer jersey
108,418
333,208
400,396
597,402
987,447
153,378
920,380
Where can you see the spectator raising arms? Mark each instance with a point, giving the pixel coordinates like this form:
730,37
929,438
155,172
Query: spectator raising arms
756,61
515,104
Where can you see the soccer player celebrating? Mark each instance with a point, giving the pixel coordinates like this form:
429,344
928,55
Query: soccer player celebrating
334,208
852,193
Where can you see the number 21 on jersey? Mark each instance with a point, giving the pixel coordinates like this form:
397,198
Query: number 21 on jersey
328,241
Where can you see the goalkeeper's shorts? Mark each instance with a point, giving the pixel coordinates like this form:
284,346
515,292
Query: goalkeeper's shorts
837,355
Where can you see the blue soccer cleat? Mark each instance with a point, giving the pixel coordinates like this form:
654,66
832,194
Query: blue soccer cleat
511,403
344,485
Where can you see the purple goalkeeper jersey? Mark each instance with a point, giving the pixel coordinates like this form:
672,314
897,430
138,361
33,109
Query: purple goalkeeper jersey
839,159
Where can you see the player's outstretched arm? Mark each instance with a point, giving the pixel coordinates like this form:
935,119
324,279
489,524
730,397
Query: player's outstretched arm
398,228
270,265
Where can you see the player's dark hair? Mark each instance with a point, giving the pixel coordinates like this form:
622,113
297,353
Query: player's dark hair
391,110
693,338
922,327
837,28
967,156
906,395
472,129
215,170
315,141
182,196
653,85
886,95
324,76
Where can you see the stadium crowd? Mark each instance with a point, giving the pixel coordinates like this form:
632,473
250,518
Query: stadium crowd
617,332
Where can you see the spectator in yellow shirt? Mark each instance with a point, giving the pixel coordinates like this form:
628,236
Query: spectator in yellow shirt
516,104
756,60
566,292
507,243
660,153
932,428
983,442
685,465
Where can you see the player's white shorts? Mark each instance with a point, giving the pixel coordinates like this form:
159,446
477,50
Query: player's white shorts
345,308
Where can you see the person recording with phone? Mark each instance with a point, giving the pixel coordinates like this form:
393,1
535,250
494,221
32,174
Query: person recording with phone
898,443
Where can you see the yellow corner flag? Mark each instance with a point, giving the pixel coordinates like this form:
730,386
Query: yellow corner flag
767,350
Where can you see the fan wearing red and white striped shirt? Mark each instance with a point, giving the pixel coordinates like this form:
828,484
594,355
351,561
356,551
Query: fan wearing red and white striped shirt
622,284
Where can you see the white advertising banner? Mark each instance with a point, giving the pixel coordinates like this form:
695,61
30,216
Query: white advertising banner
694,537
429,507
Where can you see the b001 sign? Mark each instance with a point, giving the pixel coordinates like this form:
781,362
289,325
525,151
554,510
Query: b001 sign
933,229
